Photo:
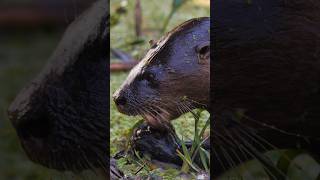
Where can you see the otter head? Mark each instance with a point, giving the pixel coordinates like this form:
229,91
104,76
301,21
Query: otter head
173,77
61,116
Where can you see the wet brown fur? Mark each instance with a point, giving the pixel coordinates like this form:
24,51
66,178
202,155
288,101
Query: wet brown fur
176,70
265,87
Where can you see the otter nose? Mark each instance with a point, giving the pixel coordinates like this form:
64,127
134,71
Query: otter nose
27,116
29,123
120,100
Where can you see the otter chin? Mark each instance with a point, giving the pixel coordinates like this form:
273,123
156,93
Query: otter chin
159,119
162,86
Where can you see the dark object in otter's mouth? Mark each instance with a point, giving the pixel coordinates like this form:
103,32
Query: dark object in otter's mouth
61,116
160,146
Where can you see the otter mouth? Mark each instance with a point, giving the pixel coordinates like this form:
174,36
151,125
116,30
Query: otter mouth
155,117
45,144
39,152
159,118
56,156
62,156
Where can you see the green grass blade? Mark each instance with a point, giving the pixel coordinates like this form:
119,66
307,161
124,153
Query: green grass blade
203,159
188,162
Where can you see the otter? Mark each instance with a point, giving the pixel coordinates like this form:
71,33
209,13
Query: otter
266,74
162,86
61,117
264,92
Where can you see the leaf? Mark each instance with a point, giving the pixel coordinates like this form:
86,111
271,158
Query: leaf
286,158
185,150
197,149
205,127
203,159
193,166
176,4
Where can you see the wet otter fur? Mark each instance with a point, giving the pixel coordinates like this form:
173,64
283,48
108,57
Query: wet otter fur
61,116
161,87
266,75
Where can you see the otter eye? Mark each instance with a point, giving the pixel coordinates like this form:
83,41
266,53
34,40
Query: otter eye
148,76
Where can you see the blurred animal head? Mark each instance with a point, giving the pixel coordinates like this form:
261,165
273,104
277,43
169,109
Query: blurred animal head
61,116
161,87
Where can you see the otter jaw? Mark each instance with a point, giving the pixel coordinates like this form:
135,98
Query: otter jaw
159,121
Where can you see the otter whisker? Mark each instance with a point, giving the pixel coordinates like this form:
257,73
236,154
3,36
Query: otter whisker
104,168
154,109
240,161
85,160
261,139
219,160
230,161
241,148
255,140
186,107
265,161
159,107
183,108
280,130
196,102
284,155
147,112
227,142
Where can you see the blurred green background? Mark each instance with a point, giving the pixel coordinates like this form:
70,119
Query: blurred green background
22,54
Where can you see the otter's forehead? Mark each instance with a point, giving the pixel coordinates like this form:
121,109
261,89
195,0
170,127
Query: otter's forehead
151,56
147,59
188,27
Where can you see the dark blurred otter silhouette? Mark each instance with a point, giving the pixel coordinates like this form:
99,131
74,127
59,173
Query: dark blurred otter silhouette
61,117
266,71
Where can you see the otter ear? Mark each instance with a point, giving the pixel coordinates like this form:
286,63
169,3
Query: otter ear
153,43
203,51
